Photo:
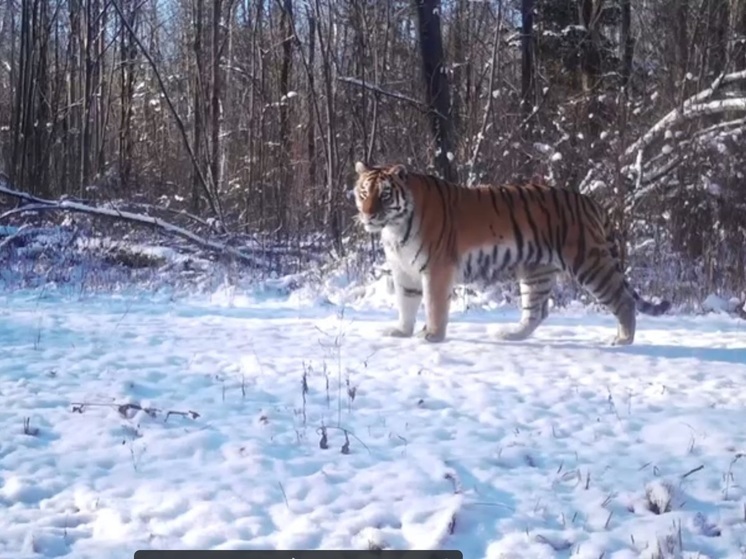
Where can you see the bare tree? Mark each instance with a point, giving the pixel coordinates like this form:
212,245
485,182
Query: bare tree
127,70
527,55
198,92
626,44
288,39
436,85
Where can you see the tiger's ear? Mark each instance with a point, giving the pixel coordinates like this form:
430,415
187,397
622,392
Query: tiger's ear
399,171
361,168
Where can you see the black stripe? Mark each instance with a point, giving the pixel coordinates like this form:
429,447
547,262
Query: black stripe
468,267
444,223
539,278
530,251
561,228
547,236
495,206
409,228
522,193
517,234
605,286
484,264
589,276
617,295
541,292
409,292
568,204
580,256
419,250
506,259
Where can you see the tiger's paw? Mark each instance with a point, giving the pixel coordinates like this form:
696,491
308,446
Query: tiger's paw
432,337
622,341
512,334
395,332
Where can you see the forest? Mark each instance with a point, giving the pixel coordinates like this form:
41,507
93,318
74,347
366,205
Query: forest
232,126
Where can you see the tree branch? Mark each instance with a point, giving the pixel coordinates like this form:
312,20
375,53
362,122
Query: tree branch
690,108
393,94
40,204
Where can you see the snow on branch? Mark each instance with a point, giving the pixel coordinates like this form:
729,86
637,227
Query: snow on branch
34,203
715,107
694,106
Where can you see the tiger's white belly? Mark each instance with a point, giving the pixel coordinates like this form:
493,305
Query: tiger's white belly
492,262
485,264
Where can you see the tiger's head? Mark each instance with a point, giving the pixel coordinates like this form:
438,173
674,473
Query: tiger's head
381,196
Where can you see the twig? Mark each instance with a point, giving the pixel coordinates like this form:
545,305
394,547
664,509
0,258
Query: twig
79,407
693,471
27,429
322,431
10,238
284,495
392,94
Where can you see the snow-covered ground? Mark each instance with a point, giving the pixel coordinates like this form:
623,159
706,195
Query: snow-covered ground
561,446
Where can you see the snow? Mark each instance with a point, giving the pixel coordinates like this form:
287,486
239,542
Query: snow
715,303
560,446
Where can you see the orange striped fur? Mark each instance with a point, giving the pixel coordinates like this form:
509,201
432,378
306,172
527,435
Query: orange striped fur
436,233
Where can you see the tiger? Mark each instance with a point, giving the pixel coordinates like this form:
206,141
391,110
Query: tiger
436,233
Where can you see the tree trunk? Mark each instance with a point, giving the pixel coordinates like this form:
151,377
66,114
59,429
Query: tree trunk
87,98
436,85
311,123
627,45
527,56
590,55
738,15
127,58
718,16
197,107
216,92
286,29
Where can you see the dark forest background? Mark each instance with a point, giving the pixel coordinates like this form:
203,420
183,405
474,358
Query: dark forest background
249,115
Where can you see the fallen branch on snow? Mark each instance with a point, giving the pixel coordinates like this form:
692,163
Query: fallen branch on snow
13,236
182,213
40,204
125,409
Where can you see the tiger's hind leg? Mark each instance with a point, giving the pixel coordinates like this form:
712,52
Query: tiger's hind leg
604,279
536,286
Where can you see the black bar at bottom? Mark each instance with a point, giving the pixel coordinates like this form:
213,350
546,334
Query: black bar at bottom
300,554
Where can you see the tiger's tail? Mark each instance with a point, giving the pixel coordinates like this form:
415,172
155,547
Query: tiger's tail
642,305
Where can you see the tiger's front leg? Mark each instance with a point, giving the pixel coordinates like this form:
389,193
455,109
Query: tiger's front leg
408,298
437,285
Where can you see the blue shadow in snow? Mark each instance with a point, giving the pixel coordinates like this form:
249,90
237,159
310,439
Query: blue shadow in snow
714,354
